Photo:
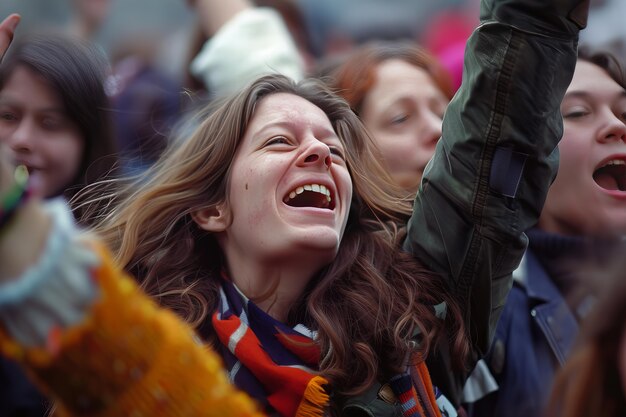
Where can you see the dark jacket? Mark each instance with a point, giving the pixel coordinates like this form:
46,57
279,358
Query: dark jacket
534,336
18,396
488,179
540,322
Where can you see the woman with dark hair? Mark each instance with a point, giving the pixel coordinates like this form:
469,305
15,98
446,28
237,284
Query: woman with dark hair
275,231
54,121
53,112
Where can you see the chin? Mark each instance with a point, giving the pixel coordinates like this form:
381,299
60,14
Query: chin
324,246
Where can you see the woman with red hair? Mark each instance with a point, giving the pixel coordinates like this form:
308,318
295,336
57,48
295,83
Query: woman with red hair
400,92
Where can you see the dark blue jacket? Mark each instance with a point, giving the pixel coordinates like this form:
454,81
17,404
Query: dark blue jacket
533,338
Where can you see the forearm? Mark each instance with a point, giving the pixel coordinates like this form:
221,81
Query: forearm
213,14
97,345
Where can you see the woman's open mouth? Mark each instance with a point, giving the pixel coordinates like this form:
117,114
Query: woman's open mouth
611,175
310,195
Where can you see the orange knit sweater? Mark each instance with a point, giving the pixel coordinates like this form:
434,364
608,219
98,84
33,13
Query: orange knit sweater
129,358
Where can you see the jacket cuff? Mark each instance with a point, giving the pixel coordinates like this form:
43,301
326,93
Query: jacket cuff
556,18
55,293
253,43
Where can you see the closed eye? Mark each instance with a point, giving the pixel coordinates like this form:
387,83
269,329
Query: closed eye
399,119
337,152
577,114
51,123
277,140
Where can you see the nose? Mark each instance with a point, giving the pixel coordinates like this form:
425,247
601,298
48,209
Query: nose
614,130
21,139
316,154
431,128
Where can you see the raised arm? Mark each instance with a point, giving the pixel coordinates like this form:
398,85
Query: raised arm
82,329
89,337
497,157
214,14
245,42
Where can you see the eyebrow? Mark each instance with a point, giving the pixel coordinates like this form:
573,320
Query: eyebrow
585,94
8,101
325,133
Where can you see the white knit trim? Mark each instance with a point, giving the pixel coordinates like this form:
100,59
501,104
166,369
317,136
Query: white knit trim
55,292
253,43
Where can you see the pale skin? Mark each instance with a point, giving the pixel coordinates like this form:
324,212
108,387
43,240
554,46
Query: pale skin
588,197
214,13
269,242
39,135
404,112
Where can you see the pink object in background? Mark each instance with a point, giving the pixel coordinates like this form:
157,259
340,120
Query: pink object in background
445,37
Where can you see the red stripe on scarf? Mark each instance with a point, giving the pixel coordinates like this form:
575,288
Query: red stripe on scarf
284,385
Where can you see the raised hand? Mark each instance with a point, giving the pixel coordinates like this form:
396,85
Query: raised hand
7,29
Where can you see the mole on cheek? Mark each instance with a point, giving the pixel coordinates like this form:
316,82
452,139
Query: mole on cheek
246,186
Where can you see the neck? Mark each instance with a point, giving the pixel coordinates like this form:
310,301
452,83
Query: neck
274,287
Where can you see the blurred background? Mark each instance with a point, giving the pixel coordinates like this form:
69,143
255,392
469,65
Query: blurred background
164,29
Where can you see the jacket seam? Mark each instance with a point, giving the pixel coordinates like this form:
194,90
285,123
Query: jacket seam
503,85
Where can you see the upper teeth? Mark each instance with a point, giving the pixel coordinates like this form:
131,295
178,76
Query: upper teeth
615,162
317,188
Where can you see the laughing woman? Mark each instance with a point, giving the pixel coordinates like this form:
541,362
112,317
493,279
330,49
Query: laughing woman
275,232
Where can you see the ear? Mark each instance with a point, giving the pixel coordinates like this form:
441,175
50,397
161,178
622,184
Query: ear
212,219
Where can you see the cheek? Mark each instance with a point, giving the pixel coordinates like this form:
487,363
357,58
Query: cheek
574,161
4,133
576,145
67,152
344,182
398,149
251,194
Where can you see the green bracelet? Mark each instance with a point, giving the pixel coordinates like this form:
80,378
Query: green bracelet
15,197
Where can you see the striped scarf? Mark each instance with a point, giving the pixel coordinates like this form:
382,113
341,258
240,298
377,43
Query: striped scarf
277,364
272,362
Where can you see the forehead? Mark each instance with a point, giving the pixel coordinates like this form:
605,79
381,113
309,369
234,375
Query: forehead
281,108
25,84
397,80
592,78
396,73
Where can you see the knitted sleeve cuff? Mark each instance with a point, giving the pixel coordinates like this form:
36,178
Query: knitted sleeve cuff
253,43
56,292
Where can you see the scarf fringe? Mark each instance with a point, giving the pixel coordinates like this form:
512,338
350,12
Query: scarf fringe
314,400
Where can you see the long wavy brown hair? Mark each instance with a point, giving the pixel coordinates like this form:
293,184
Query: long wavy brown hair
366,305
355,75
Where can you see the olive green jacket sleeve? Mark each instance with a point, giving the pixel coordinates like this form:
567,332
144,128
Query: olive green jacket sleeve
488,179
